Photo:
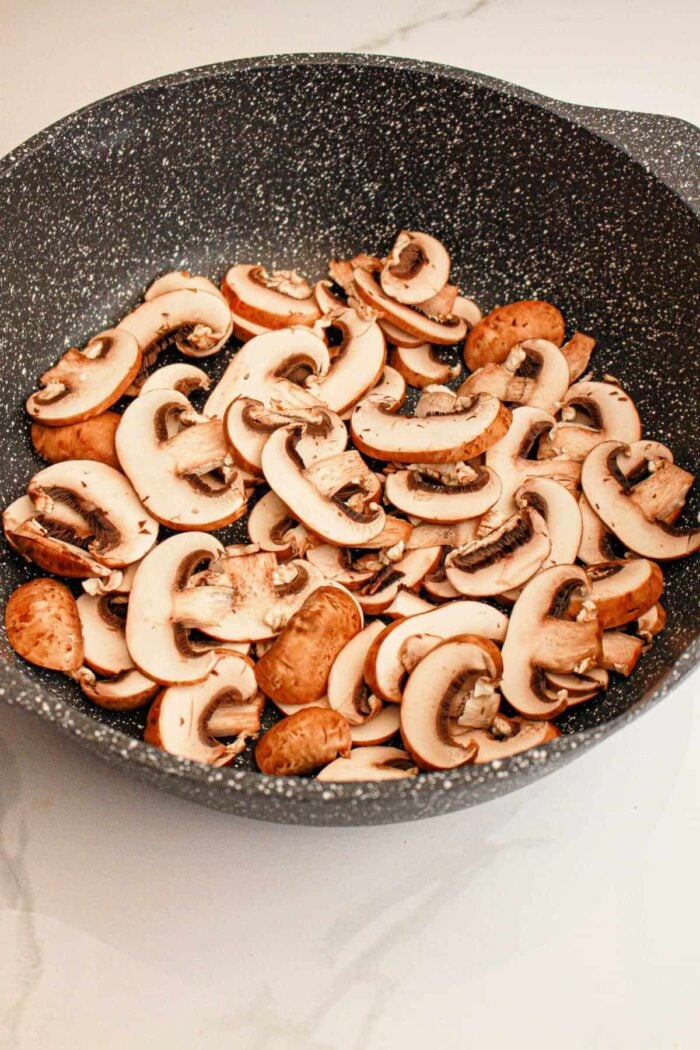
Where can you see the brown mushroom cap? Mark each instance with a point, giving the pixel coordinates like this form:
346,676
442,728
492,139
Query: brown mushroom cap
93,439
622,590
276,299
501,560
43,627
492,339
370,763
302,742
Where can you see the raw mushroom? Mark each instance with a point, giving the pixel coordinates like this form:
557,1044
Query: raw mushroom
310,738
93,439
425,495
407,603
273,528
473,425
661,495
391,387
416,269
379,727
42,625
410,320
578,352
86,382
622,590
181,376
409,570
450,692
611,414
55,542
503,559
621,652
493,338
651,622
126,691
179,463
245,330
248,424
342,271
539,639
575,688
198,322
466,310
596,541
509,736
562,515
103,620
535,373
396,336
357,364
347,690
420,367
370,763
276,299
610,494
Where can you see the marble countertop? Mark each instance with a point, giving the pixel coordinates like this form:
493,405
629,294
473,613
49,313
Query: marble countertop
564,916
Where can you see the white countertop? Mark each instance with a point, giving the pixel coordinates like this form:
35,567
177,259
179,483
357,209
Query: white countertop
563,917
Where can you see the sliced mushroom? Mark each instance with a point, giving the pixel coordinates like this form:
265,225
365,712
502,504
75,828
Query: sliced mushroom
126,691
396,651
248,424
474,424
493,338
185,720
86,382
449,693
503,559
179,463
176,281
433,535
55,542
295,669
336,564
276,299
358,362
43,627
245,330
93,439
609,493
540,639
342,271
438,587
420,366
578,352
440,307
651,622
561,513
622,590
575,688
272,527
661,495
271,368
534,373
509,736
416,269
396,336
181,376
409,570
334,498
379,727
410,320
425,496
621,652
391,387
407,603
396,530
611,412
198,322
370,763
347,690
466,310
103,620
596,541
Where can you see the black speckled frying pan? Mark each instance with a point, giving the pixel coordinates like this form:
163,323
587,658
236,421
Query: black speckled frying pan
291,160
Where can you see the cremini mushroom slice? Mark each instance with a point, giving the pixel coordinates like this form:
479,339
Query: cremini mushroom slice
93,439
176,281
379,727
578,352
86,382
185,720
575,688
651,622
370,763
245,330
425,494
296,667
299,744
391,388
439,307
358,361
43,627
179,463
396,336
326,298
407,603
342,271
249,423
275,299
661,495
407,570
337,564
272,369
395,652
562,515
198,322
493,338
126,691
609,493
596,541
448,535
509,736
181,376
119,581
420,366
621,652
611,414
335,498
449,693
412,321
55,542
622,590
467,310
534,373
474,424
540,639
103,621
396,530
273,528
416,268
503,559
347,690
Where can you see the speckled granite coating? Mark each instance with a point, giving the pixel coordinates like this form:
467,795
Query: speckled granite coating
290,160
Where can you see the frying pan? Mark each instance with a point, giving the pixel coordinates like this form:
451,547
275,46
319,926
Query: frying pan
290,160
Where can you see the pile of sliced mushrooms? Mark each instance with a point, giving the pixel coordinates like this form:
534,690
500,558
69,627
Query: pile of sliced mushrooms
419,590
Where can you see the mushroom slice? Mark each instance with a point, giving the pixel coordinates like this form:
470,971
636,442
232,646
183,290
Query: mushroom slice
336,564
539,639
248,424
176,281
181,376
119,581
119,530
347,690
651,622
611,412
86,382
561,513
244,329
474,425
578,352
276,299
333,498
578,688
42,625
438,587
410,320
198,322
534,373
420,367
622,590
379,728
185,720
93,439
596,541
358,362
381,589
501,560
327,300
621,652
271,368
439,307
509,736
55,542
395,531
396,336
125,691
272,527
370,763
661,495
608,491
102,619
391,388
416,268
429,498
449,693
396,651
434,535
407,603
179,463
466,310
493,338
342,271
